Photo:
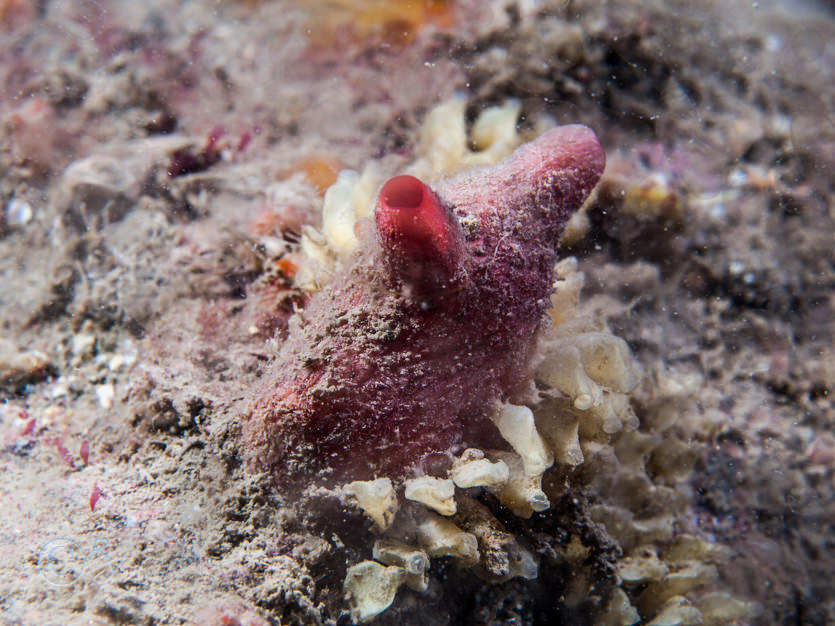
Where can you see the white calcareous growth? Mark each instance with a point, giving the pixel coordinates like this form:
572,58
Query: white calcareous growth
338,215
677,611
562,432
371,588
472,469
376,498
347,201
436,493
444,149
522,493
440,537
589,366
413,560
516,425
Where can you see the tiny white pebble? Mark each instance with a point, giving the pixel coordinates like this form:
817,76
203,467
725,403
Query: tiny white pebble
18,212
737,178
59,389
781,125
736,267
129,353
83,344
105,394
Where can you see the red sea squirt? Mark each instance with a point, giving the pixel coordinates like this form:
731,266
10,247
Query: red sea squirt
406,352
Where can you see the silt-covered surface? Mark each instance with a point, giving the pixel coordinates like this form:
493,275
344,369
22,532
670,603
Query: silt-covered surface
158,164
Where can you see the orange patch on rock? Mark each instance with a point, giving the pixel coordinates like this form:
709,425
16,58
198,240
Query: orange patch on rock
320,171
393,22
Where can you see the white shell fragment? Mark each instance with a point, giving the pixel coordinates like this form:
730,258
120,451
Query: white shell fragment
436,493
315,248
105,394
658,528
377,500
440,537
471,469
413,560
631,532
371,588
516,425
589,369
18,212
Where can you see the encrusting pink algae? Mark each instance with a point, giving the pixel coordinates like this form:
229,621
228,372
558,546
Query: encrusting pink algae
405,353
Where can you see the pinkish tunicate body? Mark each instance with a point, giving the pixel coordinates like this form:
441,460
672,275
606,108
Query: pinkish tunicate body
407,351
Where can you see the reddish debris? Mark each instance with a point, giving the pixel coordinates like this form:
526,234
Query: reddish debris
214,137
65,454
405,353
187,161
30,425
228,613
94,497
243,142
85,452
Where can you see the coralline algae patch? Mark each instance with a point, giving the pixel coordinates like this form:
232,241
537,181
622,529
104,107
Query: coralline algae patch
573,432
